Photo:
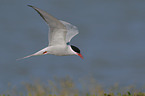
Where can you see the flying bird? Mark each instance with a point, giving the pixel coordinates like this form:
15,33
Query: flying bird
60,34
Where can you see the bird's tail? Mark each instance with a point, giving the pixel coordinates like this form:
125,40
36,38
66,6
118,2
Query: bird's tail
25,57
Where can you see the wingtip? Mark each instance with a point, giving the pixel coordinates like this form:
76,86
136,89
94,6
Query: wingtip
30,5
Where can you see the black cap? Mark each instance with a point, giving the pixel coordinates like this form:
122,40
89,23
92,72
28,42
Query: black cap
75,49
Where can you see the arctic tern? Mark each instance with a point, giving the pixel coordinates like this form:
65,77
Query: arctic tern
60,34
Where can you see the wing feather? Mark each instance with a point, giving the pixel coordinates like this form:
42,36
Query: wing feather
71,31
57,30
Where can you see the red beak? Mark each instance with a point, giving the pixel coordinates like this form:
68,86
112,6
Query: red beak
79,54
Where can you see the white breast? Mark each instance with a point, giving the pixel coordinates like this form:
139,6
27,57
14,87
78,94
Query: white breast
60,50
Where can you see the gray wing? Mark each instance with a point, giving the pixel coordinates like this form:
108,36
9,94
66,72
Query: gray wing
71,31
57,30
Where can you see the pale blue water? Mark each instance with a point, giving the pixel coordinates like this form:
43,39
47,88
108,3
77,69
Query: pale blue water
112,40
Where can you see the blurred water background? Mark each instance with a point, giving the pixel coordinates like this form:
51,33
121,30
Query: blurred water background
111,39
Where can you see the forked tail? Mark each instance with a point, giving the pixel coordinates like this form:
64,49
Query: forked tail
25,57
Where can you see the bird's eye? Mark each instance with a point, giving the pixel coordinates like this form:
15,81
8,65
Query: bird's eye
45,52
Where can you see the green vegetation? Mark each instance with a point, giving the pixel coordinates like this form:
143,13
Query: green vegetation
66,87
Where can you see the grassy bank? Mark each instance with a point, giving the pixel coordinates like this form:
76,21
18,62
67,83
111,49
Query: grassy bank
66,87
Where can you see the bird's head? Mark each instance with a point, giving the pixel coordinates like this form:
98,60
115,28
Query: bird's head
77,51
